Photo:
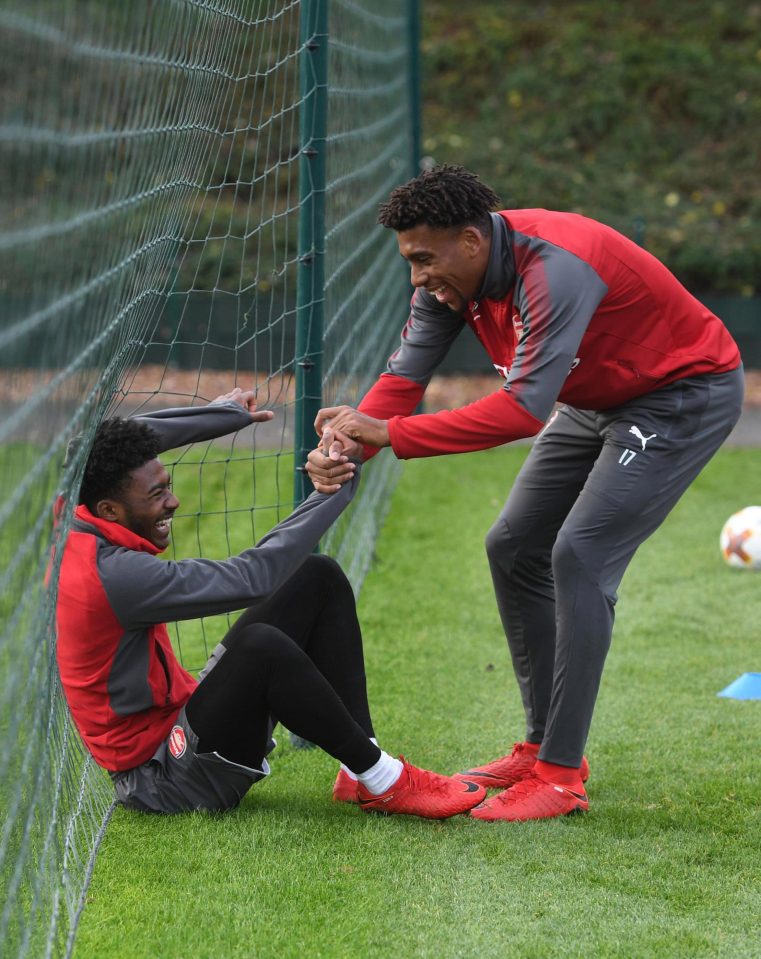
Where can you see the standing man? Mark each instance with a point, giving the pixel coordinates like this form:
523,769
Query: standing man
651,384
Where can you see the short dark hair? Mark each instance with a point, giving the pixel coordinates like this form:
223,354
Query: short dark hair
446,196
119,447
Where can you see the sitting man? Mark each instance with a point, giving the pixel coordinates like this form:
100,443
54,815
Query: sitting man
174,744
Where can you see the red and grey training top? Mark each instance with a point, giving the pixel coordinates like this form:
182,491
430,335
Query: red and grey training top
121,679
570,311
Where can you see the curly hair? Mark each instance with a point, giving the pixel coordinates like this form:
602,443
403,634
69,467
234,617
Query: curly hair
446,196
120,446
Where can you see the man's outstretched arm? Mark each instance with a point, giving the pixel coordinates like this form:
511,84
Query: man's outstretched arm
193,424
144,589
488,422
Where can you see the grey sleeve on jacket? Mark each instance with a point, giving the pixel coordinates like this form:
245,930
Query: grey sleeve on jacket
193,424
556,298
430,331
144,590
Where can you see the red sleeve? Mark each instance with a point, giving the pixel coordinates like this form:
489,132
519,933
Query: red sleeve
390,396
494,420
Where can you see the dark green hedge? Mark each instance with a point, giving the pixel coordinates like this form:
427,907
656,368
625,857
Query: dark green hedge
644,115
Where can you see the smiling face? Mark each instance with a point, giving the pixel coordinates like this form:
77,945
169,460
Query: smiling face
146,505
448,263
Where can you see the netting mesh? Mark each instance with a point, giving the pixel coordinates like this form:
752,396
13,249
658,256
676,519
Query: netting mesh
366,285
149,239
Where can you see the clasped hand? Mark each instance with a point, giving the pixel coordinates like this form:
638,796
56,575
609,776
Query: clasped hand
342,431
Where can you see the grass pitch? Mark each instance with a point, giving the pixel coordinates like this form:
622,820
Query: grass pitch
666,863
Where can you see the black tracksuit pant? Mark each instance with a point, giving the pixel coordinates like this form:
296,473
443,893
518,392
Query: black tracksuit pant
296,658
594,486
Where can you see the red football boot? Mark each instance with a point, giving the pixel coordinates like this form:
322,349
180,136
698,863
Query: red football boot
418,792
533,798
508,770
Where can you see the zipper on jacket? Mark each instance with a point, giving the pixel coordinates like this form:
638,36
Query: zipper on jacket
165,665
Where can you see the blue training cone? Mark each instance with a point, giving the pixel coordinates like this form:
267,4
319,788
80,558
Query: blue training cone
747,686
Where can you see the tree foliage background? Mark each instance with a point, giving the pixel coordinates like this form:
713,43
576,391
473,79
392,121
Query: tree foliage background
644,115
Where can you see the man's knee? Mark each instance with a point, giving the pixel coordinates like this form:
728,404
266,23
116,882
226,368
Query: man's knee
318,564
499,544
260,643
324,569
575,561
510,552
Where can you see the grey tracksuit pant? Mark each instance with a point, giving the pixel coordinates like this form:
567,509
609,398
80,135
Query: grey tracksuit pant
594,486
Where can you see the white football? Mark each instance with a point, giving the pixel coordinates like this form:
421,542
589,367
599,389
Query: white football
740,539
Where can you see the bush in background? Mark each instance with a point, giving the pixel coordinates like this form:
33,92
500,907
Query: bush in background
646,116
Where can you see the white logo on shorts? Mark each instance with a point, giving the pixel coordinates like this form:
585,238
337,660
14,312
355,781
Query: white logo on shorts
628,455
636,431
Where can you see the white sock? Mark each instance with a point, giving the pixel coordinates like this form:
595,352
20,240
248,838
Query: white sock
382,776
348,771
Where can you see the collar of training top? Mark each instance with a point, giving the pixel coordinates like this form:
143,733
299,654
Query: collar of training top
500,270
115,533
